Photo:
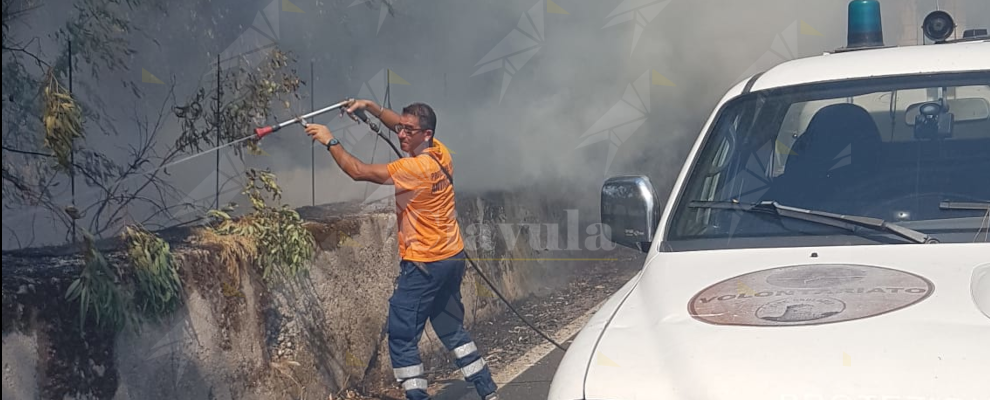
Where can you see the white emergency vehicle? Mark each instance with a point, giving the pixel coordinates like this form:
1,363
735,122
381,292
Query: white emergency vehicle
827,238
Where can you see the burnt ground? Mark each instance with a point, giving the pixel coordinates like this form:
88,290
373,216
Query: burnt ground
505,338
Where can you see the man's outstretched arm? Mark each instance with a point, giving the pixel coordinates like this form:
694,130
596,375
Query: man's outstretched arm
352,166
358,170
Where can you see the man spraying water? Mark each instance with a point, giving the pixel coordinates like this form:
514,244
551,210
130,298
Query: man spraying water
430,245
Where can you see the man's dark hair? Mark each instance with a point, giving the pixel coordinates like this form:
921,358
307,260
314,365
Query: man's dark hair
427,118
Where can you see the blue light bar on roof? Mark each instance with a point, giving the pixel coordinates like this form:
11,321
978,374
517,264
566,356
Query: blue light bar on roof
865,26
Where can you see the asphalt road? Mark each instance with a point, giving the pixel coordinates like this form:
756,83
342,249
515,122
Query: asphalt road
531,384
529,375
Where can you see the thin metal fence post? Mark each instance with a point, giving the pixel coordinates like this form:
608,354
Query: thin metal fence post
312,146
72,154
216,202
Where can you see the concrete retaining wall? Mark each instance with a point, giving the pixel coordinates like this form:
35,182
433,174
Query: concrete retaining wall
307,338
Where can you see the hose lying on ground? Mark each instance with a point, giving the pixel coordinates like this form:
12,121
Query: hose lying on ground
485,278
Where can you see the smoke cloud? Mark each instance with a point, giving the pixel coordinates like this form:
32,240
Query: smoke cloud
518,85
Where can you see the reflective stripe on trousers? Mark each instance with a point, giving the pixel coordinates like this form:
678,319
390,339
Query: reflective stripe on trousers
474,368
465,350
412,381
414,384
408,372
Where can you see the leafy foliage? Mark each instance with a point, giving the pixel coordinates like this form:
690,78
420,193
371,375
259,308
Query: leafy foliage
44,122
159,289
98,291
250,94
116,300
62,120
284,245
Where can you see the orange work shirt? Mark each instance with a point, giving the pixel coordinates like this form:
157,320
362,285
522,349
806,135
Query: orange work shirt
424,200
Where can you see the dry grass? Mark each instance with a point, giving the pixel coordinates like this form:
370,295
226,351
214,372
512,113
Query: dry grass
233,250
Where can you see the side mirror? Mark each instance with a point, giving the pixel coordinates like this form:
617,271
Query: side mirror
630,211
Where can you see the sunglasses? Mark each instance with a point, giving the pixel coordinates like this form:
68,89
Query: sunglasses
408,128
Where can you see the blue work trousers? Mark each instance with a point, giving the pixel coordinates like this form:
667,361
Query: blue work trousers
434,295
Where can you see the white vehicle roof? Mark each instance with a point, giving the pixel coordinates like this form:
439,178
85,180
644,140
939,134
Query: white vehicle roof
955,57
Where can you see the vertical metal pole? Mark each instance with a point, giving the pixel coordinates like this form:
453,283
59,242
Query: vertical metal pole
216,202
312,146
388,102
72,153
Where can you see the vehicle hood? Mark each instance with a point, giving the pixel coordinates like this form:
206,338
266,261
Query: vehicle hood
891,322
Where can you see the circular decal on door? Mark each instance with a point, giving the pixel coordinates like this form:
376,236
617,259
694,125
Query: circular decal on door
808,295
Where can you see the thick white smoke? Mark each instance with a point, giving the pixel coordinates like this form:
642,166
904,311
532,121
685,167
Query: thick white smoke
546,96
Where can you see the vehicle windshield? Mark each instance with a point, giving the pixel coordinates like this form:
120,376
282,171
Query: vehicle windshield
911,151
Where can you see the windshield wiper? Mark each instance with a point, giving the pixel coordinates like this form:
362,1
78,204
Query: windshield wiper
964,205
849,222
